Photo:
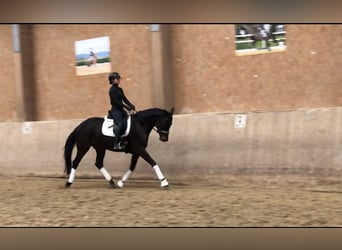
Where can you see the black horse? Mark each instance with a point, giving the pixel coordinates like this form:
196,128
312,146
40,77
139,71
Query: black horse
88,134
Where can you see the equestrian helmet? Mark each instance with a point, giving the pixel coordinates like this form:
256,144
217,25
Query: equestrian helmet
113,75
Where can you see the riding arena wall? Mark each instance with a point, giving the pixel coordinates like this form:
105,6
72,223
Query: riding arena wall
302,142
271,113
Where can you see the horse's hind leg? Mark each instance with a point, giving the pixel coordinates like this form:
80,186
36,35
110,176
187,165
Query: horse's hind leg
81,151
100,154
129,172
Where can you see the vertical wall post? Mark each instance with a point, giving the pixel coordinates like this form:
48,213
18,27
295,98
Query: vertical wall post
162,83
19,86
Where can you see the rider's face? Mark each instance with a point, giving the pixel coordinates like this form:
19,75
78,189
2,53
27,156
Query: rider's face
117,81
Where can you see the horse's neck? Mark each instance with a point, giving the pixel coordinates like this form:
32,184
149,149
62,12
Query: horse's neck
147,124
148,119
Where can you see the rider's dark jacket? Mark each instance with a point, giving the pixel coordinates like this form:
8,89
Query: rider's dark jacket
118,100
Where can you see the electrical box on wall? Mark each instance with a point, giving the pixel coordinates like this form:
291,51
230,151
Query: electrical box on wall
240,121
26,128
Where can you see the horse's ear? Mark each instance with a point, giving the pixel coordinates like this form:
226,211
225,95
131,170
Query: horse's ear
171,111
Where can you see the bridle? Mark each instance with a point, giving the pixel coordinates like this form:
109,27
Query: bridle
159,131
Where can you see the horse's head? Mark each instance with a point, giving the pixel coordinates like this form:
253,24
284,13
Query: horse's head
163,125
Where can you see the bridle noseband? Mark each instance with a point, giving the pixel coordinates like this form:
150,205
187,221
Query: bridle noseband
159,131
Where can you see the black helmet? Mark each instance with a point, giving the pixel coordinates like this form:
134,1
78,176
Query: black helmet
113,75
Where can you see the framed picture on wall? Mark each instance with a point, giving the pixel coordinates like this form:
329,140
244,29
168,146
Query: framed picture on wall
251,39
92,56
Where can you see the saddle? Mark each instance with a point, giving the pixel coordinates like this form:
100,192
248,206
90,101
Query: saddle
108,123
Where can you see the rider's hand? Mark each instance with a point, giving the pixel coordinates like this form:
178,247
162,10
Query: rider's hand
129,108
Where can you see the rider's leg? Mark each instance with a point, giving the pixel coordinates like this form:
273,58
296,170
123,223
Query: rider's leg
117,129
117,138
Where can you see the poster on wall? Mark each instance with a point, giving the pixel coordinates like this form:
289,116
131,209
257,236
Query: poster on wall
92,56
251,39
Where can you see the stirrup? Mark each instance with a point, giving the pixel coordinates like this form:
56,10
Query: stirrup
118,147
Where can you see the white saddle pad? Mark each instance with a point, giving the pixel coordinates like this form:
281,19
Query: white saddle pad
107,127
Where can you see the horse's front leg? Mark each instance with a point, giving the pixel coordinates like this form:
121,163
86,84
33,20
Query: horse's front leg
148,158
129,172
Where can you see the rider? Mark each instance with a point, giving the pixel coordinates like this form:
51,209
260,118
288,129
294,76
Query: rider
119,101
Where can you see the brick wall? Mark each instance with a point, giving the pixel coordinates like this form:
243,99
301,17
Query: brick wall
7,75
209,77
206,74
61,94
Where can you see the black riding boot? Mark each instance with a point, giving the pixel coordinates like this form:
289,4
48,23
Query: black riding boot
117,138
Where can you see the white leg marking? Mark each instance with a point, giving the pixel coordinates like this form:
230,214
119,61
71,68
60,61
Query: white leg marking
158,172
124,178
120,184
105,174
126,175
72,175
160,176
164,183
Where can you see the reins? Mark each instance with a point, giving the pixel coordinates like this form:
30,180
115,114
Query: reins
132,112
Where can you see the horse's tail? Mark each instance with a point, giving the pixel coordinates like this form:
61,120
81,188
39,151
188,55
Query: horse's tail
69,146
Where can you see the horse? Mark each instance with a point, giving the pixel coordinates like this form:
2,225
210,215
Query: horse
89,134
92,58
259,32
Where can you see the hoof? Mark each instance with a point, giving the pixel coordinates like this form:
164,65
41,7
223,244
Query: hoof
164,183
112,183
67,184
120,184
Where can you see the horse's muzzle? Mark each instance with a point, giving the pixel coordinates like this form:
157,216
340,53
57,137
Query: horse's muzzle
164,138
163,135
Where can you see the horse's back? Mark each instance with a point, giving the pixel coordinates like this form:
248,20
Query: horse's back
94,119
91,123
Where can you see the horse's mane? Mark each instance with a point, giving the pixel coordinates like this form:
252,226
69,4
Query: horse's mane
150,112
